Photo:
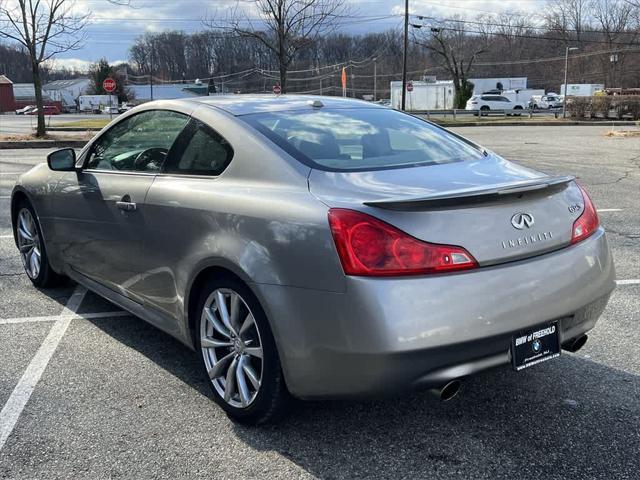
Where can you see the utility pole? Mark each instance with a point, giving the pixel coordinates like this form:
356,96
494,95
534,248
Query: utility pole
353,84
566,75
375,77
151,71
404,53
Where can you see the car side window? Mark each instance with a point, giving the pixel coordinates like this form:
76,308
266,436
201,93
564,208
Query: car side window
138,144
200,151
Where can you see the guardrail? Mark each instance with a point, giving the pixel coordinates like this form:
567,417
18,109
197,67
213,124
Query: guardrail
487,113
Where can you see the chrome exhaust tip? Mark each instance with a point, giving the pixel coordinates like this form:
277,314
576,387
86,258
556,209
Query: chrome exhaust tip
447,391
575,344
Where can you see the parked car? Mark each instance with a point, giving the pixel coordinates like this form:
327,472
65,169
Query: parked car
110,110
318,247
125,107
485,103
25,110
47,109
547,102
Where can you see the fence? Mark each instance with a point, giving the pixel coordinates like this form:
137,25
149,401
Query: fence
518,112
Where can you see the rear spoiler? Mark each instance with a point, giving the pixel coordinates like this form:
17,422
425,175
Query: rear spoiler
472,195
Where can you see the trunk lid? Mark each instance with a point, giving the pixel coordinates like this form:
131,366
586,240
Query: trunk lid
495,209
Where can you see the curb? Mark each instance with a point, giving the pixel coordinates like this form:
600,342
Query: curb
73,129
42,144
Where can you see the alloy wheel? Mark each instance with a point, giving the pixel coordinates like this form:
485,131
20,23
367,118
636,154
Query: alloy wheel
29,243
231,347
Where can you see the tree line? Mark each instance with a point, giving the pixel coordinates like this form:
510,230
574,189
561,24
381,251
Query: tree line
606,34
304,44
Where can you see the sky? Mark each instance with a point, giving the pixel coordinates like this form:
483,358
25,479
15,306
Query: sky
113,28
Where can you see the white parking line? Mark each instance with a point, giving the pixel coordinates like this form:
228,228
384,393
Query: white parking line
53,318
609,210
11,173
6,236
631,281
21,394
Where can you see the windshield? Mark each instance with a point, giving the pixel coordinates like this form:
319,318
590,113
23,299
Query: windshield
361,139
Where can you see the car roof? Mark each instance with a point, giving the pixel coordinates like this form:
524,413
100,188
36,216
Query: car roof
245,104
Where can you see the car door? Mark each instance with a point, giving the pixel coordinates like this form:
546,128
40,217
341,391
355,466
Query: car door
180,211
505,103
100,211
491,102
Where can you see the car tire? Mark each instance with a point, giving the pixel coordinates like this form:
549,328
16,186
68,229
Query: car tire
33,250
484,110
266,397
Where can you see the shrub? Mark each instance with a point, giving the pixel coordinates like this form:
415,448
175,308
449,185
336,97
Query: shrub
604,106
600,105
578,106
627,105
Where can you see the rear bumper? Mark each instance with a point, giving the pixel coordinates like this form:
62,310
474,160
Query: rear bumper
385,335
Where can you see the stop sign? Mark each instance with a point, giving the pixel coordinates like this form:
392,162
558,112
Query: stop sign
109,85
277,90
409,87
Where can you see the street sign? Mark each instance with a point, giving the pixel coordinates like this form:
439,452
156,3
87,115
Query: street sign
276,89
409,87
109,85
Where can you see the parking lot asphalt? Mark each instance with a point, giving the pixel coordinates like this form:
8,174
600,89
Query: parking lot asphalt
120,399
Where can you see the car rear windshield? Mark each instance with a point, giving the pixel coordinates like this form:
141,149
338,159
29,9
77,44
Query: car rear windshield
361,139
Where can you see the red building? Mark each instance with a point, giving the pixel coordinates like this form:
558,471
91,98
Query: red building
7,101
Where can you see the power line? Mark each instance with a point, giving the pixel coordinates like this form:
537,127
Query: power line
531,37
526,27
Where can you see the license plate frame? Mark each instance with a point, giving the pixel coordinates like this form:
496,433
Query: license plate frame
534,346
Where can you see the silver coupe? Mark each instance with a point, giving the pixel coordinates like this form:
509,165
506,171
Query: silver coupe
318,247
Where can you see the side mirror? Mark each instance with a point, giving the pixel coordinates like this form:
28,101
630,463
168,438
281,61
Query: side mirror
63,160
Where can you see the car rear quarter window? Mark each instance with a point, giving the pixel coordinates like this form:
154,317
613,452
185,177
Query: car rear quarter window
200,150
361,139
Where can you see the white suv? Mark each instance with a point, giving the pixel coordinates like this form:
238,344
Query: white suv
485,103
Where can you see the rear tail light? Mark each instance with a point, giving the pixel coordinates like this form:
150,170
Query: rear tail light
370,247
587,222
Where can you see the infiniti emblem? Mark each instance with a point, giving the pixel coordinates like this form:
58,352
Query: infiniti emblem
521,220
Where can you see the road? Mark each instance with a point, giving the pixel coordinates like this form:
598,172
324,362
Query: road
119,399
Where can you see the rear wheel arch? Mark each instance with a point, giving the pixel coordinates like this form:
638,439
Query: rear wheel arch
195,289
18,198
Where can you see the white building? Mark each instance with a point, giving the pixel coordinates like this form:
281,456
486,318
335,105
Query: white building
166,91
436,95
581,89
67,91
482,85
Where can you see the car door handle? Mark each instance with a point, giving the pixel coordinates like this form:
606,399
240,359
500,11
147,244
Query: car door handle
126,204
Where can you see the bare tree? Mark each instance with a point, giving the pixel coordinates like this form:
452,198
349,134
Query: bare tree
287,26
44,28
456,51
616,19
